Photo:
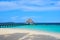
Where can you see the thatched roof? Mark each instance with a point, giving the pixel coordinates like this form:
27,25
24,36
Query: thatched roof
29,21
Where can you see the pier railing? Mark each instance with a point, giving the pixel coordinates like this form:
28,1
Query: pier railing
6,25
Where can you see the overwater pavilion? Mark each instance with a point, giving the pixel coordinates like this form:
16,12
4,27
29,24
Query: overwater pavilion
29,21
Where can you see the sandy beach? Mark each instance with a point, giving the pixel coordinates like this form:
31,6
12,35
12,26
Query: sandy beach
27,33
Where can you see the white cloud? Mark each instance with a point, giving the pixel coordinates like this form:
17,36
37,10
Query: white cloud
33,17
30,5
8,6
14,18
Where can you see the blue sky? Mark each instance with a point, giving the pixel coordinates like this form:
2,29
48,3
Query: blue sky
38,10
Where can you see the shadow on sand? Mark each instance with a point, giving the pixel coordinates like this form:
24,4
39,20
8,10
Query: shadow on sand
17,36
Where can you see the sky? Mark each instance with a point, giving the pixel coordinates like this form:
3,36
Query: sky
38,10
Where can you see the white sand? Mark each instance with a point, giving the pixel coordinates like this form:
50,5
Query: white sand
4,31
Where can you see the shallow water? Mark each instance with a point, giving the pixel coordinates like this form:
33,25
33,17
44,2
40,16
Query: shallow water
49,28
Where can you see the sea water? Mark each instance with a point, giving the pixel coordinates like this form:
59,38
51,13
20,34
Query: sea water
48,28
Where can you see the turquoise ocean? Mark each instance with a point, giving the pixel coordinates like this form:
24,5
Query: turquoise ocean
47,28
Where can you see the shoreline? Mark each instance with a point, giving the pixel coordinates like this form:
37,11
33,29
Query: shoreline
4,31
